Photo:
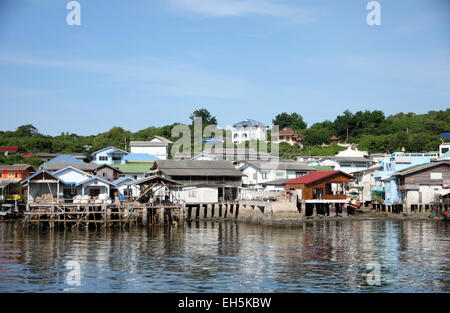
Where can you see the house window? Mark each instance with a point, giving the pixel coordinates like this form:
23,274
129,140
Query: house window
116,158
435,175
264,175
317,193
103,158
328,189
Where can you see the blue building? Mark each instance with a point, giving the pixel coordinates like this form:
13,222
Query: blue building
385,181
109,155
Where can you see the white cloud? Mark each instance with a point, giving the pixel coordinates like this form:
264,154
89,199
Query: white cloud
235,8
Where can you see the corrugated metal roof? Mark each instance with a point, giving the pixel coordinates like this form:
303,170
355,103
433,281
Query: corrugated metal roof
281,165
133,167
42,170
140,157
9,148
5,182
276,182
64,158
316,176
161,138
51,166
94,178
416,168
197,168
15,167
153,178
110,147
147,144
121,179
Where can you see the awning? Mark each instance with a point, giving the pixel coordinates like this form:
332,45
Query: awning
5,182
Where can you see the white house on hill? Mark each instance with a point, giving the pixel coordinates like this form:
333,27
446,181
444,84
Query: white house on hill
248,130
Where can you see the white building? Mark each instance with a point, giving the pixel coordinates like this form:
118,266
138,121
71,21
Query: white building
348,165
123,187
157,146
258,173
248,130
352,152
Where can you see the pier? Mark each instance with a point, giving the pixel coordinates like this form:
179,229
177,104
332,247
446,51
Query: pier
73,216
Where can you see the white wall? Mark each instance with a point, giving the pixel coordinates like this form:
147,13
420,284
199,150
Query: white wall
159,152
122,187
199,195
72,176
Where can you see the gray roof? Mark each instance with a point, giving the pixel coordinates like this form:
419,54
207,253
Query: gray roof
149,179
45,154
51,166
417,168
276,182
196,168
147,144
351,159
281,165
162,139
6,182
15,166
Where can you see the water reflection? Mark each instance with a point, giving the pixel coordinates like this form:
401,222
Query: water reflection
320,256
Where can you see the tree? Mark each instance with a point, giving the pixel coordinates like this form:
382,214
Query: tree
26,130
207,118
293,120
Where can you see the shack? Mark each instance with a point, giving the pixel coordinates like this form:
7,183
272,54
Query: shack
320,185
203,181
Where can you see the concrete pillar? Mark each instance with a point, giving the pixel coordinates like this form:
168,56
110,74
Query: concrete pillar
333,210
210,210
314,210
344,210
201,211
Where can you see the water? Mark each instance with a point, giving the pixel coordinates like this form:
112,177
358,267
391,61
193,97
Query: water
322,256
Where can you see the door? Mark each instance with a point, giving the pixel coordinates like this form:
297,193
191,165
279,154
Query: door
93,192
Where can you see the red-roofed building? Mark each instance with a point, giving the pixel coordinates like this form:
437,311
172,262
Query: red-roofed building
9,149
289,136
326,185
27,155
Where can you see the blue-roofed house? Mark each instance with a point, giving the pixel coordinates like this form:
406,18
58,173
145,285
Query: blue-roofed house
248,130
109,155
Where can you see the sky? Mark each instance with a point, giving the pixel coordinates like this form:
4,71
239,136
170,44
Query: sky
136,64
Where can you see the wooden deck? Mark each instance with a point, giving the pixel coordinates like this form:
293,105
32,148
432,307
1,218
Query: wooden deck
101,215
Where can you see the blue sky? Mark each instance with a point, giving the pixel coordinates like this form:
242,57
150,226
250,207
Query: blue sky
137,63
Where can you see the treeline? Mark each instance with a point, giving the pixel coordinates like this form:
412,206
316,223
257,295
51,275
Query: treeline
372,130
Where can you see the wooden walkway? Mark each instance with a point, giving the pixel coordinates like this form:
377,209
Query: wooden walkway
75,216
